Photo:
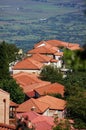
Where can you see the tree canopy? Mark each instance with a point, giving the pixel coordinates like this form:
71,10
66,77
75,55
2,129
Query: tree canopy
50,73
75,93
4,64
16,92
75,60
7,54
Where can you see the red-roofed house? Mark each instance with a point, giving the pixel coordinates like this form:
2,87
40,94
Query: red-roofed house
40,122
46,60
24,78
46,105
56,106
29,82
56,43
42,58
33,104
27,65
49,50
54,88
45,50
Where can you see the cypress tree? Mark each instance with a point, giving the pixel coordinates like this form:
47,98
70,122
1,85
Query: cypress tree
4,64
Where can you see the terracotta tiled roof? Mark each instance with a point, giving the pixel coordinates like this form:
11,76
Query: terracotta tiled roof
29,64
31,87
13,104
41,58
43,125
28,82
40,118
25,79
40,122
56,43
39,106
47,49
51,88
31,115
54,103
74,47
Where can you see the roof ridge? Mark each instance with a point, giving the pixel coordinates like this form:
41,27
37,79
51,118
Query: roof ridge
38,102
36,65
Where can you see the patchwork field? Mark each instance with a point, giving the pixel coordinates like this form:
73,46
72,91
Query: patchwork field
26,22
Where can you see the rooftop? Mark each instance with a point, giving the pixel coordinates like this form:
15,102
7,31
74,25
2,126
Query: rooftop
29,64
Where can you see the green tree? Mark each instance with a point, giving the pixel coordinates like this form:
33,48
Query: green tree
51,73
76,109
6,82
16,93
74,82
62,124
75,59
4,64
75,94
12,52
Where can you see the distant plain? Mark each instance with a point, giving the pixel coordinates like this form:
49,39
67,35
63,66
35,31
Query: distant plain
26,22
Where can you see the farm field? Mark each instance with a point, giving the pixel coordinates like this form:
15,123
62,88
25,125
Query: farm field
26,22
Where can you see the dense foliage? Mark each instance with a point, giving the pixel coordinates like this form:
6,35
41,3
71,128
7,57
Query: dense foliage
62,124
11,51
8,84
75,60
4,64
50,73
16,93
75,93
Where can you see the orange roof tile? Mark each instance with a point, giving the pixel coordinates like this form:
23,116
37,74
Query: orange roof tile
31,115
25,79
13,104
40,118
47,49
40,122
55,43
29,90
43,125
74,48
51,88
54,103
41,58
28,64
28,82
26,106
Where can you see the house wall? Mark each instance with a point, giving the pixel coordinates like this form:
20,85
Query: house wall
46,113
28,71
57,64
50,112
4,107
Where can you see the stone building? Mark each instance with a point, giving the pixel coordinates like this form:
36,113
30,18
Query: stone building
4,107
